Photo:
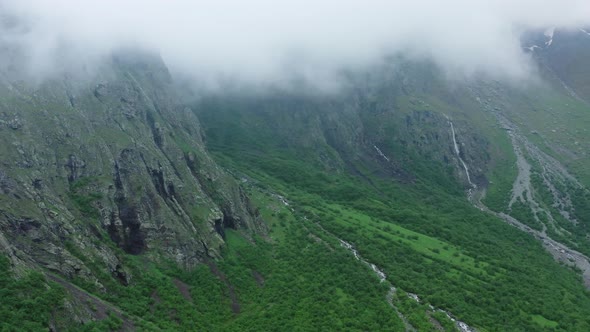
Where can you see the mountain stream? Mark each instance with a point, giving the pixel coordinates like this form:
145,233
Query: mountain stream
522,190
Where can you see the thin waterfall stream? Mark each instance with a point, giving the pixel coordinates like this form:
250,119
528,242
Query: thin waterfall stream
458,154
461,326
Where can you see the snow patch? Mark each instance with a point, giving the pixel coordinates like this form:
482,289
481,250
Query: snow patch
549,34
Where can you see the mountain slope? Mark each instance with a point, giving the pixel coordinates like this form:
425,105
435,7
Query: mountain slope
405,201
383,166
95,170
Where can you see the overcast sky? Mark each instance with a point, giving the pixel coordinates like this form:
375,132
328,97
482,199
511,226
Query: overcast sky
263,40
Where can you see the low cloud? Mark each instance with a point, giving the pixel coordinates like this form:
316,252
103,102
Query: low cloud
263,41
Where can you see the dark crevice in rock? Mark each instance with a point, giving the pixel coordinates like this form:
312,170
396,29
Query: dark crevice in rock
219,228
132,239
194,166
158,136
205,247
172,192
229,221
156,130
118,182
158,181
119,274
192,163
165,190
231,215
26,224
113,230
74,166
37,183
27,229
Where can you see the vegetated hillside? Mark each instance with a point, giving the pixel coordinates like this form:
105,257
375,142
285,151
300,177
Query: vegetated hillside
383,164
390,205
98,169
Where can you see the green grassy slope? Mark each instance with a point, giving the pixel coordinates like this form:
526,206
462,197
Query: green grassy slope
423,233
403,208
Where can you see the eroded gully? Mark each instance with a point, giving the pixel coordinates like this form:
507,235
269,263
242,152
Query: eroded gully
522,191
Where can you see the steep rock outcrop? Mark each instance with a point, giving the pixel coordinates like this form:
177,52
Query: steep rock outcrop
110,158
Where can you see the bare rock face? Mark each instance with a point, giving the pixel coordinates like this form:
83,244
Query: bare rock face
113,160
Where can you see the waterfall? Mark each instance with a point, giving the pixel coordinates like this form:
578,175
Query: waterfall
458,153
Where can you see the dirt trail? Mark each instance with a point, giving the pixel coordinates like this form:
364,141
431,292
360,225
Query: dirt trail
235,304
184,289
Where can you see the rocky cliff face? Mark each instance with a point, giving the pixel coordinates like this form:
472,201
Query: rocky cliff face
392,123
89,165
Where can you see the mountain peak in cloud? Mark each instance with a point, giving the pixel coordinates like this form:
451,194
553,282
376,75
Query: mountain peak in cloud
267,41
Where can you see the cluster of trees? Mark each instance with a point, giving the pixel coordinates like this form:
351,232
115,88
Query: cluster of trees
515,284
27,302
492,276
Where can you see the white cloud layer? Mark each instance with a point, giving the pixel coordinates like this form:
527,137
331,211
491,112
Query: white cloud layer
266,41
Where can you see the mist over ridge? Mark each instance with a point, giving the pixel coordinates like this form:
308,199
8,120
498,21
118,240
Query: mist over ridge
266,42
